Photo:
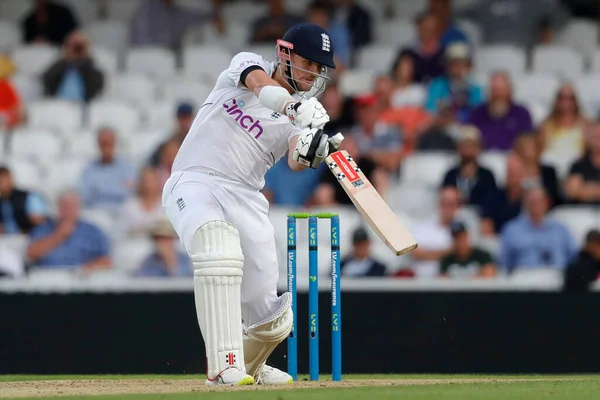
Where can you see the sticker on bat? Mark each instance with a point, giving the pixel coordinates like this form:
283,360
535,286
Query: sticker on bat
345,167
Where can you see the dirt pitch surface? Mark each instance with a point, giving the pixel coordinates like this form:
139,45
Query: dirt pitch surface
89,387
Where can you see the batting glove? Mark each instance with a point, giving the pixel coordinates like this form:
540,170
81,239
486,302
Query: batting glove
310,113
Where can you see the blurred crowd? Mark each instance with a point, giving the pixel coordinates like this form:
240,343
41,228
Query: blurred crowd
427,101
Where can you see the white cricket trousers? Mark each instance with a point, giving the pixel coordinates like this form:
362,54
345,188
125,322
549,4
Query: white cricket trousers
192,199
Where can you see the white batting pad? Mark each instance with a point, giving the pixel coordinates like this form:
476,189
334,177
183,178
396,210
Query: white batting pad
261,338
218,261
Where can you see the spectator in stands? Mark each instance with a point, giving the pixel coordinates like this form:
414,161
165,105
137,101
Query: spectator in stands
48,22
584,269
466,261
505,203
166,260
340,114
109,181
20,210
164,22
583,184
74,76
515,22
11,105
378,141
433,235
139,214
448,31
320,12
405,91
68,242
534,240
357,21
360,263
473,181
454,96
545,32
428,53
500,119
528,149
329,192
273,26
280,178
564,130
184,117
166,159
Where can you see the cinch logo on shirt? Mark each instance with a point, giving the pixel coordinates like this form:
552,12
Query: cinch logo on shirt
245,121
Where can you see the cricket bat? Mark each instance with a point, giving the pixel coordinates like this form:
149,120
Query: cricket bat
370,204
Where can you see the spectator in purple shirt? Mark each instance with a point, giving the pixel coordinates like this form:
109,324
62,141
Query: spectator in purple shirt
499,118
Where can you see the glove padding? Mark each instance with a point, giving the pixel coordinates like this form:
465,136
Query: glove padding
310,114
313,146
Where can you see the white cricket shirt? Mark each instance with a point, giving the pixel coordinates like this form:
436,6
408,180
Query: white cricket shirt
233,135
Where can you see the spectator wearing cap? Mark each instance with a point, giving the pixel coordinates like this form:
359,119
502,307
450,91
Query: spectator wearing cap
165,260
584,269
583,183
184,117
505,203
67,242
74,76
534,240
20,210
433,235
466,261
473,181
500,119
376,140
361,263
109,181
320,12
453,96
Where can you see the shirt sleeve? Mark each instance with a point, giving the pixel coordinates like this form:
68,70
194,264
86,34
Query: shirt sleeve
433,96
35,206
505,259
38,232
243,61
102,244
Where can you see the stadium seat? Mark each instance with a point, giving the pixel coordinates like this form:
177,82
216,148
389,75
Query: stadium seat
156,62
234,39
539,111
178,90
205,62
159,114
110,34
26,172
426,169
42,114
119,10
378,12
106,59
560,60
407,10
267,51
496,162
10,36
536,87
579,34
297,7
397,33
135,89
34,59
114,113
508,58
29,88
414,200
471,30
588,92
103,219
86,11
16,243
562,161
243,11
595,62
64,175
42,145
376,58
129,253
579,220
356,81
146,141
15,10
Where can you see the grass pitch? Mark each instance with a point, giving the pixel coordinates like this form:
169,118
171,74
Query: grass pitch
353,387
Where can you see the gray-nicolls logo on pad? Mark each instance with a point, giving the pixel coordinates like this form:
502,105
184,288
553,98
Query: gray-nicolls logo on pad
180,203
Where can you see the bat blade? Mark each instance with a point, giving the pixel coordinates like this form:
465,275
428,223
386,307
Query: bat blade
375,211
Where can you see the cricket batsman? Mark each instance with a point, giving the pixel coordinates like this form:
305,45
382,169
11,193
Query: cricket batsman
256,113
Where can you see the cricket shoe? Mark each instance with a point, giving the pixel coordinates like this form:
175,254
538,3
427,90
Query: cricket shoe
231,377
267,375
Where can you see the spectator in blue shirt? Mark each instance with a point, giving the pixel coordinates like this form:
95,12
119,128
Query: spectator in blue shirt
533,240
320,12
280,178
166,260
454,96
109,181
67,242
20,210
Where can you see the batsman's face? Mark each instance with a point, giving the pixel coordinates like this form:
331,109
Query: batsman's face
305,72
